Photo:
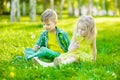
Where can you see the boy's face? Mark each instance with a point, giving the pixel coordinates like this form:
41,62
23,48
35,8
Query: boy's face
49,25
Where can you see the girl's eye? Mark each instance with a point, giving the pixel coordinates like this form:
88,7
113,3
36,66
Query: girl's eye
48,24
83,29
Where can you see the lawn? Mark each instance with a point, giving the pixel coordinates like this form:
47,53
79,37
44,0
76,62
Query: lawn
15,37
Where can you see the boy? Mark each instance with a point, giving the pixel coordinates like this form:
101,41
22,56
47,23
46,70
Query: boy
52,41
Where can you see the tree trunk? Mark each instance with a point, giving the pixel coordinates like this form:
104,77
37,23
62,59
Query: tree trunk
15,10
71,9
52,4
103,6
79,7
61,8
12,12
1,7
90,7
23,7
97,6
45,2
115,7
18,10
32,10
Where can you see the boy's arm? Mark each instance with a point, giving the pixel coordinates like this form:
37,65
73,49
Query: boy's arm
66,40
94,50
36,47
40,41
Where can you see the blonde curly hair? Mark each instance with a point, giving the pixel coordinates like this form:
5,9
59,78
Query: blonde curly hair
89,23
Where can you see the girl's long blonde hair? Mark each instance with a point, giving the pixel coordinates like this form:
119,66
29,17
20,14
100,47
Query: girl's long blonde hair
90,24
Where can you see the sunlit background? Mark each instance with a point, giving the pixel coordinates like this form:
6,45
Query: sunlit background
18,8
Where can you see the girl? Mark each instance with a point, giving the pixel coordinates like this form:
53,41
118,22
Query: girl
83,44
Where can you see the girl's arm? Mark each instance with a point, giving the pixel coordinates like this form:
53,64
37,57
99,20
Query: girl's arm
94,49
73,45
72,41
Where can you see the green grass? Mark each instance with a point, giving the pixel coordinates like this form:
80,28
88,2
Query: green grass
15,37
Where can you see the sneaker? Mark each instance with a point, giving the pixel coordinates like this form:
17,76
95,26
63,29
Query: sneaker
42,63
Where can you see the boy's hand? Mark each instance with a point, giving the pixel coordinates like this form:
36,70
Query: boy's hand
36,48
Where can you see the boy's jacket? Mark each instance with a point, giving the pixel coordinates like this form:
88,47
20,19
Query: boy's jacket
62,39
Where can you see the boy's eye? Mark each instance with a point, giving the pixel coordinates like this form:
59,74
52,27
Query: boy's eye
48,24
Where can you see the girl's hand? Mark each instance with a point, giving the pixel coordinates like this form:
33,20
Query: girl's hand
74,46
36,48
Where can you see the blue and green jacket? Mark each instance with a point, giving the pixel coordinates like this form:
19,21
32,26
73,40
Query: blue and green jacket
62,39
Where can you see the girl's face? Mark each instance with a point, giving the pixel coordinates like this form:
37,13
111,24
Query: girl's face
82,29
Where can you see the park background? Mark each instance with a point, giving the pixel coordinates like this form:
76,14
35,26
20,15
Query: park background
20,27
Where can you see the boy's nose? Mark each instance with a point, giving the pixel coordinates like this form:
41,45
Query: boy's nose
45,26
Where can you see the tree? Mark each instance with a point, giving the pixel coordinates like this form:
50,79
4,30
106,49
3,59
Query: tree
23,7
115,7
71,9
52,4
119,7
61,8
79,6
15,10
44,2
1,6
18,10
32,10
97,6
90,7
12,12
104,7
